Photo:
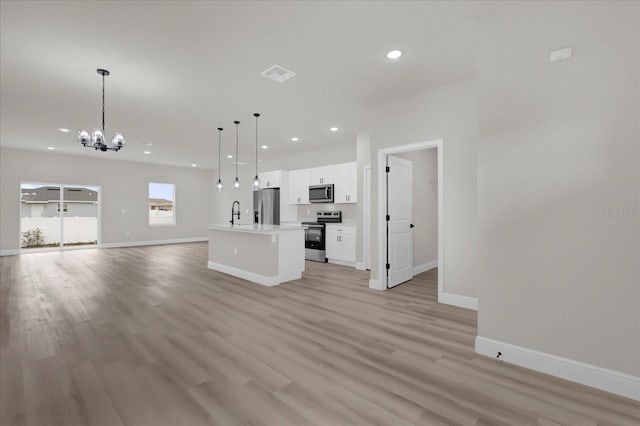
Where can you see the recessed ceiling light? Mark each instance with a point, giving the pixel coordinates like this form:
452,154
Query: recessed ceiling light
295,139
334,129
394,54
229,156
62,129
147,152
264,146
194,165
51,148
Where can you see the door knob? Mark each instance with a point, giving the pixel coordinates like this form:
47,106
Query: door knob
412,226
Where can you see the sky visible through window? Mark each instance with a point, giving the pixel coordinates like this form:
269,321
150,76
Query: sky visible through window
161,190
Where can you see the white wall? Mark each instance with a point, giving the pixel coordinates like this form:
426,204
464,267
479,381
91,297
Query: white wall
425,204
558,157
125,213
448,113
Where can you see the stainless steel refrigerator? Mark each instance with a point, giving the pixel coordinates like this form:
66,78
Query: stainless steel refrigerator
266,206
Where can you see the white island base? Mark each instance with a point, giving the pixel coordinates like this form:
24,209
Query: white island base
264,254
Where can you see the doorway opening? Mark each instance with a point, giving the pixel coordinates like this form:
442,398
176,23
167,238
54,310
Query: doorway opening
56,217
396,217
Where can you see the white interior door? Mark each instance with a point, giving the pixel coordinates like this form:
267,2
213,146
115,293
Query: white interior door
399,210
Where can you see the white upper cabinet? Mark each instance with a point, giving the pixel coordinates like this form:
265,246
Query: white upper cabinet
299,186
280,179
271,179
321,175
346,183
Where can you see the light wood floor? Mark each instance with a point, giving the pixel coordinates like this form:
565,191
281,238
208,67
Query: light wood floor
150,336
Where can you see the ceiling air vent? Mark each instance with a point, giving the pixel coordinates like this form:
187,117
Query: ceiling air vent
278,73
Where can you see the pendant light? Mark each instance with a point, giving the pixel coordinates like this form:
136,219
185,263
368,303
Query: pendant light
96,139
236,183
219,153
256,181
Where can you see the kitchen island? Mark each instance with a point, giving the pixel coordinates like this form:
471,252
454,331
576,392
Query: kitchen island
264,254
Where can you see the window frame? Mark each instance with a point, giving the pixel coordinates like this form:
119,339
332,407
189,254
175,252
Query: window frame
173,205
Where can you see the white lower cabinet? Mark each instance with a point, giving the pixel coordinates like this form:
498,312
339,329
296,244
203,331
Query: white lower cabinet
341,244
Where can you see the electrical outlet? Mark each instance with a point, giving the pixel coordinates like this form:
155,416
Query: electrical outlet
235,250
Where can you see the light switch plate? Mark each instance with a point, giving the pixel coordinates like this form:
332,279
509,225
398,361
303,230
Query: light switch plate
561,54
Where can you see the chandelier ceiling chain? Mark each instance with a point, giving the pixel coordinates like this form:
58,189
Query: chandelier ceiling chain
96,139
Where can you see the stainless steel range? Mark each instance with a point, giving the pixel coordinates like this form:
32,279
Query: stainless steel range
315,235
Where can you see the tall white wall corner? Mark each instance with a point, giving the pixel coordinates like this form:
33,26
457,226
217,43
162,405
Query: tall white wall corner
575,371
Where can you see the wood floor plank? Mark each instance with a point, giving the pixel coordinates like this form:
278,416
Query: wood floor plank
150,336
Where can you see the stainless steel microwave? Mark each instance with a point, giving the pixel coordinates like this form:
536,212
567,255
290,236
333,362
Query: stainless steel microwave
321,193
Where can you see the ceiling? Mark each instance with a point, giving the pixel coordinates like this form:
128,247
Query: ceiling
181,69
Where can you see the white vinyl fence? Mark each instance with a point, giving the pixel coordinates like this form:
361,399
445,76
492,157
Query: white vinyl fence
160,217
76,229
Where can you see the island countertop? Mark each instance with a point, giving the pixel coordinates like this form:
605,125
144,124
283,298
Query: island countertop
256,228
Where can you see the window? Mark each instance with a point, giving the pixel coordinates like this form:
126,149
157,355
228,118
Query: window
162,204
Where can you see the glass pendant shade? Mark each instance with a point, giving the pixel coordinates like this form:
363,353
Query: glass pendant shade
256,183
97,137
236,184
219,186
118,140
84,137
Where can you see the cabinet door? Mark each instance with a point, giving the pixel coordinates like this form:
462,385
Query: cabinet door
333,247
346,185
299,186
270,179
321,175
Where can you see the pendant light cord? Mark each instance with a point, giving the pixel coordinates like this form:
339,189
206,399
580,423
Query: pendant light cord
219,149
256,116
236,123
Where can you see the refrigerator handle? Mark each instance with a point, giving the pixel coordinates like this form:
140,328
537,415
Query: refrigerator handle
261,212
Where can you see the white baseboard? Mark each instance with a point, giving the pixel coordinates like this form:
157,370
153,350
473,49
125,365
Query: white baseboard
9,252
586,374
154,242
458,300
425,267
245,275
341,262
360,266
375,285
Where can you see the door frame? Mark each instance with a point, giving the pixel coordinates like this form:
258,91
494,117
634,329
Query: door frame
381,282
62,246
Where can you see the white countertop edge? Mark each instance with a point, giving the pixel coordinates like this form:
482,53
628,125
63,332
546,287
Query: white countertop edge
256,229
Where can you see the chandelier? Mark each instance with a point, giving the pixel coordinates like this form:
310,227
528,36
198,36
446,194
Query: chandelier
96,139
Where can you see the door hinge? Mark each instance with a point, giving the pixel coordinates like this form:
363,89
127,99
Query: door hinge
388,218
388,169
388,266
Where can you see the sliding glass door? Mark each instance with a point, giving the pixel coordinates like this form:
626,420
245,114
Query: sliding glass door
58,216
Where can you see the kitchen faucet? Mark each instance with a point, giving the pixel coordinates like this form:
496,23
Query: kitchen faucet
234,212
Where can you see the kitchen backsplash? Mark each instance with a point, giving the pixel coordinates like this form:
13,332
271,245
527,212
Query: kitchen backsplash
308,212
